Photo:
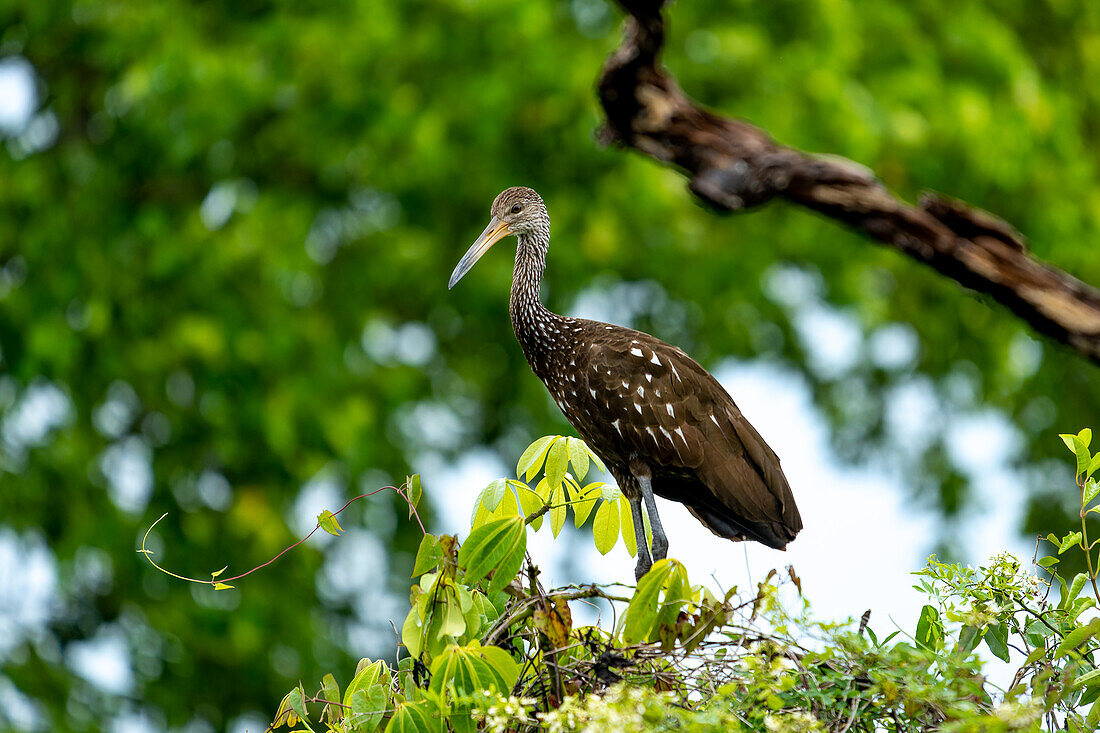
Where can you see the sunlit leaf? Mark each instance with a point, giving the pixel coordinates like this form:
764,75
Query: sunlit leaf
578,457
626,520
531,460
557,463
328,522
582,508
605,527
530,502
558,509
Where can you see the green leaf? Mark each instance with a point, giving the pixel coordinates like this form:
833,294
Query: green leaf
1091,488
605,527
1075,589
1069,541
557,463
930,629
1094,464
531,460
1080,448
428,555
296,701
222,586
626,522
328,522
641,612
969,638
367,708
497,546
330,689
1076,638
416,492
1048,561
493,493
505,666
367,676
578,457
996,638
558,509
410,717
530,502
583,506
411,632
1087,679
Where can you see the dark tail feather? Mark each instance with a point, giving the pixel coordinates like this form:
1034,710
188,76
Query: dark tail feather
731,527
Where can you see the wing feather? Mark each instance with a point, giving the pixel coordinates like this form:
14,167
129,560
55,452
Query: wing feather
669,411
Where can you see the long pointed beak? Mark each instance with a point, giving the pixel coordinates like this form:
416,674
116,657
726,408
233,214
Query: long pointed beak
496,231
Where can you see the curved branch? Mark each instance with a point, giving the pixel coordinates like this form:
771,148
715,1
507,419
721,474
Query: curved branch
734,165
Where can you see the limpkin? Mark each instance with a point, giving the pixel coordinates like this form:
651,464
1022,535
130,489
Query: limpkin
658,420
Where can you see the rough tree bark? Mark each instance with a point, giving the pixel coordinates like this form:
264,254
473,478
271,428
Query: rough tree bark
734,165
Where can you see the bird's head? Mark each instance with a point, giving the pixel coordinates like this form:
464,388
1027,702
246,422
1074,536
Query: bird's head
517,210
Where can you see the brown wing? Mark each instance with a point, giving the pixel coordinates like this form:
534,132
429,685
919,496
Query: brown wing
652,400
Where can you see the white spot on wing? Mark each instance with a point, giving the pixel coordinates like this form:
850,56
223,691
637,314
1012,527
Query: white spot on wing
636,351
641,391
669,408
654,358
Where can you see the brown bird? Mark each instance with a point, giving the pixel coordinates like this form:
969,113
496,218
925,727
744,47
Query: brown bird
658,420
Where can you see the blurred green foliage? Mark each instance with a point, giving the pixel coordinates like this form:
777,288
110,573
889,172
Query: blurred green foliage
225,239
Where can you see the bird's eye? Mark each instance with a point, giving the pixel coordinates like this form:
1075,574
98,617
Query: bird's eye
517,208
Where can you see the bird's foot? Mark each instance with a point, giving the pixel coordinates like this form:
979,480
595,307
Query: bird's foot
660,548
643,566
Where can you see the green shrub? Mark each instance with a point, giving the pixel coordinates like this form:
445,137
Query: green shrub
486,647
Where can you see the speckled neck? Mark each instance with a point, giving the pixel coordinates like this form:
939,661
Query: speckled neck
534,324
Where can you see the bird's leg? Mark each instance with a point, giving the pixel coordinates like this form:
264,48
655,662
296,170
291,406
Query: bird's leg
660,542
644,561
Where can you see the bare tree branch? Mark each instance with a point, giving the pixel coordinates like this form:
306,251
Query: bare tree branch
734,165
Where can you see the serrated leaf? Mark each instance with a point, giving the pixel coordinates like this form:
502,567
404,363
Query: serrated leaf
578,457
328,522
531,460
605,527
